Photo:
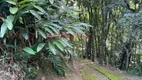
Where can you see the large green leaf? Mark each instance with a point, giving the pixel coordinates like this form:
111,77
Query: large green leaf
64,41
35,14
29,50
40,46
54,29
11,2
25,34
9,22
59,45
52,48
49,31
51,1
56,25
24,6
13,10
25,1
41,33
3,30
39,8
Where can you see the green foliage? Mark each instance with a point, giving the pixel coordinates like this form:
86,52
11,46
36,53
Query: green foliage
115,23
58,44
29,50
3,30
34,28
40,46
58,64
51,1
13,10
131,19
52,48
108,74
32,73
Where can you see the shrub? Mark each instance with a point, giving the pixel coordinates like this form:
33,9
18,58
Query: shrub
34,31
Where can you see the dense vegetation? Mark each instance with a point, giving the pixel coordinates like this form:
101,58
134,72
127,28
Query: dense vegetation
41,35
34,35
115,38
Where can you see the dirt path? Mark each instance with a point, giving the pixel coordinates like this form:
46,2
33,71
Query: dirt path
75,74
126,75
76,70
98,74
119,72
111,69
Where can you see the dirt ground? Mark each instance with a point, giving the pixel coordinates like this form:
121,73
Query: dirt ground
74,73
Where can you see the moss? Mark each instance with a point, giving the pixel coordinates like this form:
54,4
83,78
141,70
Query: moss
87,74
108,74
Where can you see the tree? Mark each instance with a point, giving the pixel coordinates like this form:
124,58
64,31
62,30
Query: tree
116,31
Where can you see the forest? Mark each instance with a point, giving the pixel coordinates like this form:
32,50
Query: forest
70,39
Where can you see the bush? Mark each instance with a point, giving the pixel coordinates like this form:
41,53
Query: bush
34,31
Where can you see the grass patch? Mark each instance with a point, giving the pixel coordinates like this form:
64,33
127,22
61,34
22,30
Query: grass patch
87,74
107,73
